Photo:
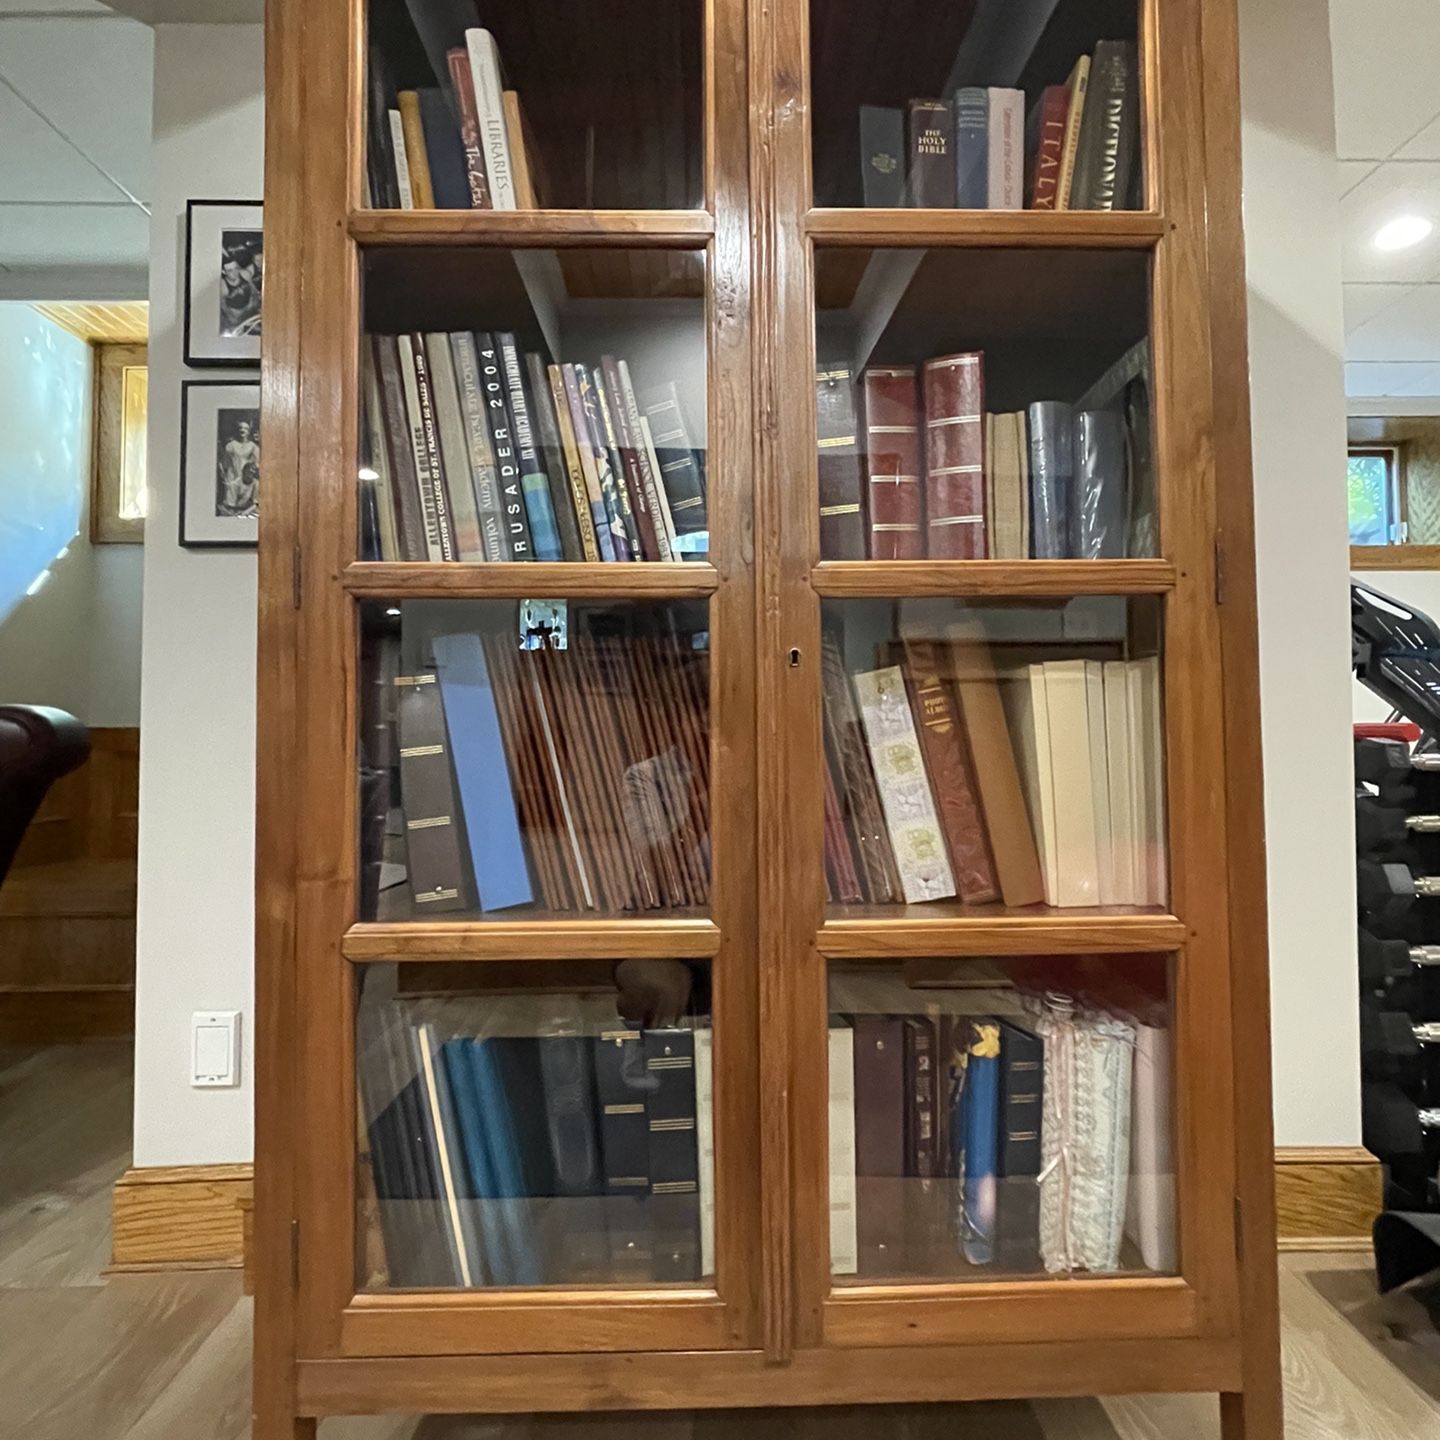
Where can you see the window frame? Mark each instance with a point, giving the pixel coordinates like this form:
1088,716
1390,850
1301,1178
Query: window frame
107,526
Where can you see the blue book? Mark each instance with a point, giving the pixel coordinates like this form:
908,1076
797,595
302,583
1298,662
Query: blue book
482,775
1052,478
477,1157
972,148
982,1119
504,1148
452,1174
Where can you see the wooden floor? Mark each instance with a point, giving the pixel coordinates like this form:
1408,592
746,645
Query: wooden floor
166,1357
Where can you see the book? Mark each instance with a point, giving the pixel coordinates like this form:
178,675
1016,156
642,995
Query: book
841,469
425,448
1108,880
1078,85
1005,174
462,83
517,135
879,1083
921,1134
380,166
932,160
490,108
454,449
844,1245
647,538
947,758
678,466
534,481
1109,142
498,1110
1023,695
613,545
1120,773
640,452
623,527
1148,762
916,840
449,178
476,1151
404,192
1052,478
1019,1108
674,1160
972,148
1076,841
882,156
1099,512
705,1143
1150,1201
842,878
1008,498
375,462
954,396
546,427
895,492
483,469
514,515
976,1221
399,456
432,842
417,157
1050,147
453,1188
567,1078
584,486
622,1087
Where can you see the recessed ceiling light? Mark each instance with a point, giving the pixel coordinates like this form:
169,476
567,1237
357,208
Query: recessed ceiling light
1403,232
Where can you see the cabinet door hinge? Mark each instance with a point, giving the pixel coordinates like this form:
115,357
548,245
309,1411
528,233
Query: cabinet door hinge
295,1253
1219,571
295,577
1239,1232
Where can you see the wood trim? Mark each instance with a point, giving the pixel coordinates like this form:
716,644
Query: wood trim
1013,933
648,580
1022,229
179,1216
1010,578
557,229
1395,557
549,940
108,442
1326,1198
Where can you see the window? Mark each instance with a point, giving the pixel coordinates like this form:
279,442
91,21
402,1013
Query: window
117,502
1377,509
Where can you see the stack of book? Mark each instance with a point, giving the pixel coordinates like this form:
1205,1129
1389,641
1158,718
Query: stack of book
475,451
977,150
1001,1129
576,779
912,467
464,147
946,780
536,1153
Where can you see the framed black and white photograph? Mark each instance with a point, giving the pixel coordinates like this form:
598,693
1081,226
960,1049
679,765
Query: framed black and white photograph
224,276
219,462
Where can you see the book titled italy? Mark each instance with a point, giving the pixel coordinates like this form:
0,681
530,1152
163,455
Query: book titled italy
905,796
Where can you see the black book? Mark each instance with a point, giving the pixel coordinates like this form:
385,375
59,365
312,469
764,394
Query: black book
932,155
882,155
427,786
568,1075
680,470
841,465
1022,1093
621,1088
1109,147
379,144
552,457
514,520
518,1059
445,151
674,1161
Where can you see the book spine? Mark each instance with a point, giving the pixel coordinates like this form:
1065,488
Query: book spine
639,479
463,83
517,134
404,192
955,457
515,520
892,446
844,1248
417,157
977,1219
1020,1106
621,1083
932,159
1052,476
882,156
448,178
617,503
404,484
427,790
376,458
591,530
1006,170
1050,147
454,449
879,1087
379,139
490,107
972,148
838,854
430,1075
921,1141
680,481
547,436
1099,509
534,483
1109,142
639,523
674,1158
429,482
605,523
842,514
485,474
568,1080
647,461
1078,86
705,1143
915,835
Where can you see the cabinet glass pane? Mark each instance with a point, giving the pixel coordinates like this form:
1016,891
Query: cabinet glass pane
993,754
533,405
991,1118
984,404
980,105
520,759
532,1124
549,104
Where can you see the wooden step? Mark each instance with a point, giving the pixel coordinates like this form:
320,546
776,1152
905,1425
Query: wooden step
71,888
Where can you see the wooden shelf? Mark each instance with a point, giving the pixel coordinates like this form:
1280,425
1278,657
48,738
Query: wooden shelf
551,580
1026,229
666,937
547,229
888,932
1015,578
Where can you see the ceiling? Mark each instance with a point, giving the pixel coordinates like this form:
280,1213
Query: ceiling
1387,120
124,323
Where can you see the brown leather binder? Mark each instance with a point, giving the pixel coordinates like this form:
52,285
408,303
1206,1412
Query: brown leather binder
893,448
954,388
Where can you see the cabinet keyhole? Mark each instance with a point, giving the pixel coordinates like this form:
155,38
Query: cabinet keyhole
794,659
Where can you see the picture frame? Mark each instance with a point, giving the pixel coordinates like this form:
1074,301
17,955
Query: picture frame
219,464
224,275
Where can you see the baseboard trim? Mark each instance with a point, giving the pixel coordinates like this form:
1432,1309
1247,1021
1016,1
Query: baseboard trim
179,1217
1326,1197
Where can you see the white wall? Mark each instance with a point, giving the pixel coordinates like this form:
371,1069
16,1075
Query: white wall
197,730
1292,228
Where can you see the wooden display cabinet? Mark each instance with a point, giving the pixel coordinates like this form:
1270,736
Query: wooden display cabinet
700,168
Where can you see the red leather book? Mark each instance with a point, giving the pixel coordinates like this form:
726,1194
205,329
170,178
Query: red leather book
463,80
892,440
955,456
1054,111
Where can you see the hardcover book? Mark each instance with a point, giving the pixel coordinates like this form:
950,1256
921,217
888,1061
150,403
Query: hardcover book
1052,478
976,1221
1109,137
892,445
624,529
454,449
1006,168
678,464
879,1143
932,157
425,444
972,148
640,438
844,1242
514,516
954,389
552,457
534,482
463,84
490,106
1100,510
1079,87
484,472
882,156
584,483
1050,147
634,461
674,1159
1020,1106
417,159
841,468
450,184
400,453
432,839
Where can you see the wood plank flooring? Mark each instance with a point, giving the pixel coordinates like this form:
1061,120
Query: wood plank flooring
167,1357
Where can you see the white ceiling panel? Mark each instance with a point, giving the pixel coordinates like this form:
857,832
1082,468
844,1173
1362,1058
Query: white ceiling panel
1386,55
1352,172
1408,330
63,66
1397,188
1364,302
1379,380
63,7
50,235
36,164
1425,145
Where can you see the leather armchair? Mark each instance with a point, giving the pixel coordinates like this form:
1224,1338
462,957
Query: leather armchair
37,746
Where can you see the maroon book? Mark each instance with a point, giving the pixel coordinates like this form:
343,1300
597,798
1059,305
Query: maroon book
464,83
892,442
1054,111
955,457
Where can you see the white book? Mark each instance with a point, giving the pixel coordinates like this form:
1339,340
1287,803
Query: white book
1023,694
451,1182
418,447
402,161
490,103
1007,502
844,1244
1077,860
1150,733
454,448
705,1143
1007,149
1120,770
1150,1206
1100,783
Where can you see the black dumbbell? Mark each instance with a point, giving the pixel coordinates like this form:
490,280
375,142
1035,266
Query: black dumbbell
1389,890
1385,765
1384,961
1382,827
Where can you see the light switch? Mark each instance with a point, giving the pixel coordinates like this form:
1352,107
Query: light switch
215,1048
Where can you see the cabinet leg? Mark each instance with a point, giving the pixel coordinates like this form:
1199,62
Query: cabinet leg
1255,1414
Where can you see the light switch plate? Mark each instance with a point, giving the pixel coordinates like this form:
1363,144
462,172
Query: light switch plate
215,1049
